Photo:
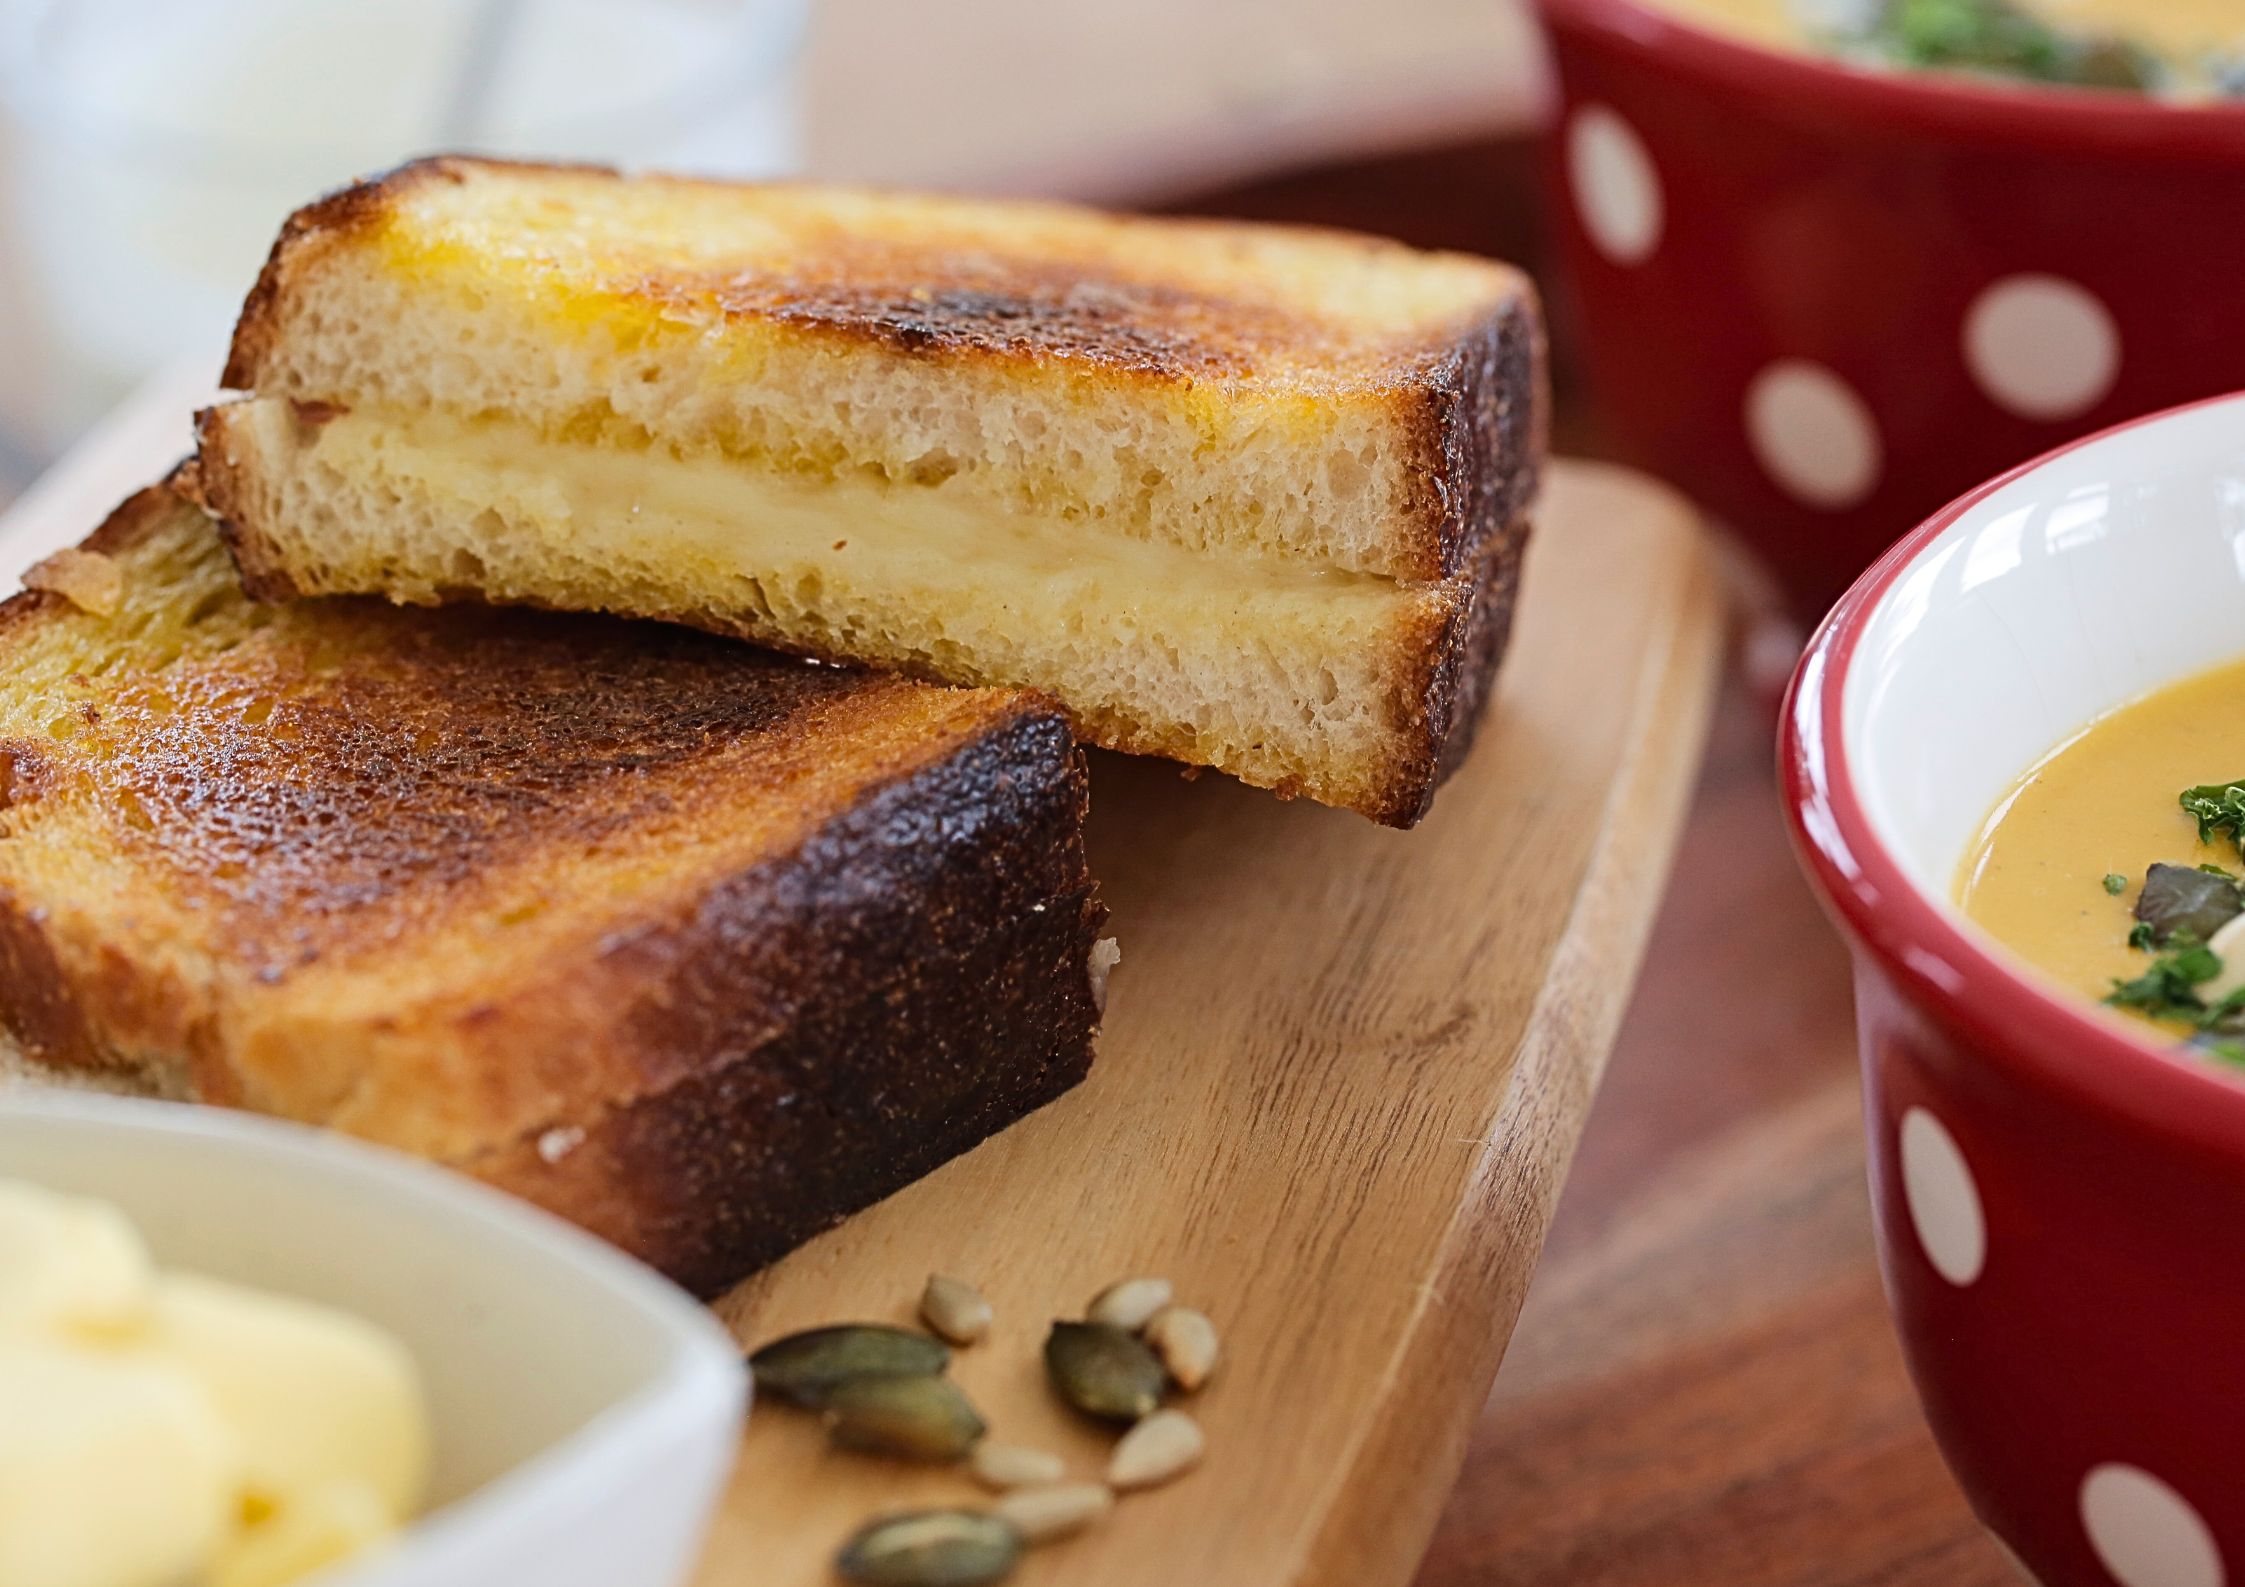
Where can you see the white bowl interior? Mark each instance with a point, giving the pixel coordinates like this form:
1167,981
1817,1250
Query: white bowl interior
2088,581
525,1330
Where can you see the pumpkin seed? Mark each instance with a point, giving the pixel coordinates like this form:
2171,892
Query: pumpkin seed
1185,1340
931,1548
1104,1371
804,1368
924,1418
955,1309
1044,1513
1130,1303
1004,1466
1157,1449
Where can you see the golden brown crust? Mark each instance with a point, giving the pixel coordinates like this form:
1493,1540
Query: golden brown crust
1467,396
914,1022
328,219
746,866
1458,662
1480,428
1044,295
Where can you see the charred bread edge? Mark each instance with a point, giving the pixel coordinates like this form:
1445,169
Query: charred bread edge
917,1026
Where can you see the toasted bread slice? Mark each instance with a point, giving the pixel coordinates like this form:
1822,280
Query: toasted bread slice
1233,494
699,946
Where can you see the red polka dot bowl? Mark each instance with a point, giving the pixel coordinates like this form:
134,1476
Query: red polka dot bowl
2058,1194
1824,299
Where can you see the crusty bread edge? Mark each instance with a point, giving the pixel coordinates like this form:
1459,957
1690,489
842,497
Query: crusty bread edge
987,1010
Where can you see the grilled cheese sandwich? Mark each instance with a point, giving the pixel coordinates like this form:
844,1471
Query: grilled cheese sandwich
1248,497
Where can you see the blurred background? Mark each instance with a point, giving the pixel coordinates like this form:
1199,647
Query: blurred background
151,147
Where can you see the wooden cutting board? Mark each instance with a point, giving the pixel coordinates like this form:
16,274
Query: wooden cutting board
1342,1074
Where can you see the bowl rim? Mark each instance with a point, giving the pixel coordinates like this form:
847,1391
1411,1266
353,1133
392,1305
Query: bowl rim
2035,1033
699,1380
1946,102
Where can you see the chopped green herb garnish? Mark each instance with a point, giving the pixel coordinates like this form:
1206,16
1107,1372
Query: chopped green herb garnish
2005,38
2219,810
2139,936
2222,871
2169,989
2227,1048
2115,883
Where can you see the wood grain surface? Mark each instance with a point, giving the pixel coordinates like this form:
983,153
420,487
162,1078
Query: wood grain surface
1342,1075
1705,1387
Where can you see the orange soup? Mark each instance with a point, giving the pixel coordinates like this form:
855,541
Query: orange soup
2115,864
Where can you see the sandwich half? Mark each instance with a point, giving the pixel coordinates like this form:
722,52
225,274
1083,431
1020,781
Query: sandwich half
698,946
1249,497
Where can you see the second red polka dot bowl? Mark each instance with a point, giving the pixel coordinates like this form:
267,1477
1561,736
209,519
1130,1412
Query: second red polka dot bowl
1824,299
2058,1193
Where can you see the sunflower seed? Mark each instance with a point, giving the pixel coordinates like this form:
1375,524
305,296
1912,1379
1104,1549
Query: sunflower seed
1106,953
1103,1371
1128,1304
1041,1514
955,1309
804,1368
931,1548
1003,1466
1157,1449
916,1418
1186,1342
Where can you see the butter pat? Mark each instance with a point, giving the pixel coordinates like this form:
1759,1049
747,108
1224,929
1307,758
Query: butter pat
316,1396
320,1527
115,1470
69,1267
162,1429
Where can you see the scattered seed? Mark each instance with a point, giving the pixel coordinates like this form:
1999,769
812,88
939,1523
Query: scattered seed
955,1309
1185,1340
923,1418
1162,1446
1103,1371
804,1368
931,1548
1106,953
1129,1304
1042,1514
1003,1466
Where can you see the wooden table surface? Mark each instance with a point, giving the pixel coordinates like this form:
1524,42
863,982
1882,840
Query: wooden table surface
1704,1387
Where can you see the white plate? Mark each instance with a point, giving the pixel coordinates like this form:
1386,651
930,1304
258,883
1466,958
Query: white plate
585,1411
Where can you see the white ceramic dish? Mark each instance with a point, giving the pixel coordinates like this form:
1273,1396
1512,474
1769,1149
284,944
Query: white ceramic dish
2098,575
586,1412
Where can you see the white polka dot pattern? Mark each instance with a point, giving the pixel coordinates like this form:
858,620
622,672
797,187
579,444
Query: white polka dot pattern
2146,1533
1944,1203
1812,434
2041,346
1616,186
